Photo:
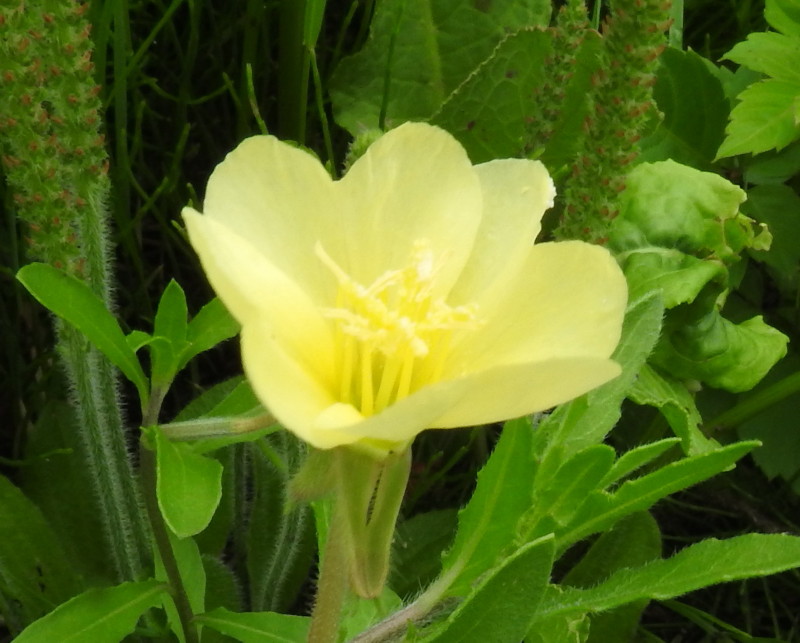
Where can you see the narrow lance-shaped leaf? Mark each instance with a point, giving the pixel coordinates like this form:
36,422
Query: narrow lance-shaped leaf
706,563
257,627
105,615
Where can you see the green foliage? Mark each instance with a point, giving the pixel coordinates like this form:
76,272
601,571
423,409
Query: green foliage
418,53
98,615
256,627
767,115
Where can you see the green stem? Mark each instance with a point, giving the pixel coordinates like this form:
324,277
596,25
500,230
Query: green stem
147,460
292,71
755,404
332,583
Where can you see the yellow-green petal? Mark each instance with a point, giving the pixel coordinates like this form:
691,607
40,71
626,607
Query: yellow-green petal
281,199
567,300
516,194
258,293
414,184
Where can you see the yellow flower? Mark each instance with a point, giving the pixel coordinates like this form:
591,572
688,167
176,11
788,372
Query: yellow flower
407,295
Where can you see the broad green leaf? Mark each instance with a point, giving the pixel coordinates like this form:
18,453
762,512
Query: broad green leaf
706,563
773,205
418,52
55,477
189,486
771,168
670,205
489,111
680,277
358,614
604,509
502,607
770,53
734,357
170,326
676,404
784,15
695,111
636,458
35,573
488,522
257,627
212,325
73,301
417,552
233,396
564,628
97,616
765,119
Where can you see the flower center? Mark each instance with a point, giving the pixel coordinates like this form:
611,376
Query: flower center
393,336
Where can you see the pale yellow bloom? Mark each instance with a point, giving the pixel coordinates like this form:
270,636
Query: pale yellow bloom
407,295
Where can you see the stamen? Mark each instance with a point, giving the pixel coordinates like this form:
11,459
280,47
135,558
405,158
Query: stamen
393,335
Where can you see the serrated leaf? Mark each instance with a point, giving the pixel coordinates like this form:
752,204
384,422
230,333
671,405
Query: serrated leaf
602,509
418,52
257,627
488,522
97,616
695,110
770,53
503,606
74,301
188,485
763,120
706,563
487,113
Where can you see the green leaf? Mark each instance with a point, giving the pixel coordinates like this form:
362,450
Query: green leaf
257,627
189,486
603,509
770,204
676,404
169,326
418,52
212,325
706,563
35,572
418,547
73,301
771,168
97,616
734,357
784,15
488,522
636,458
502,607
489,111
765,119
770,53
695,111
633,541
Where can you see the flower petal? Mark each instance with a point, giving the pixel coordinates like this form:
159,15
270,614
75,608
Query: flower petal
282,200
518,389
258,293
516,193
568,300
414,183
